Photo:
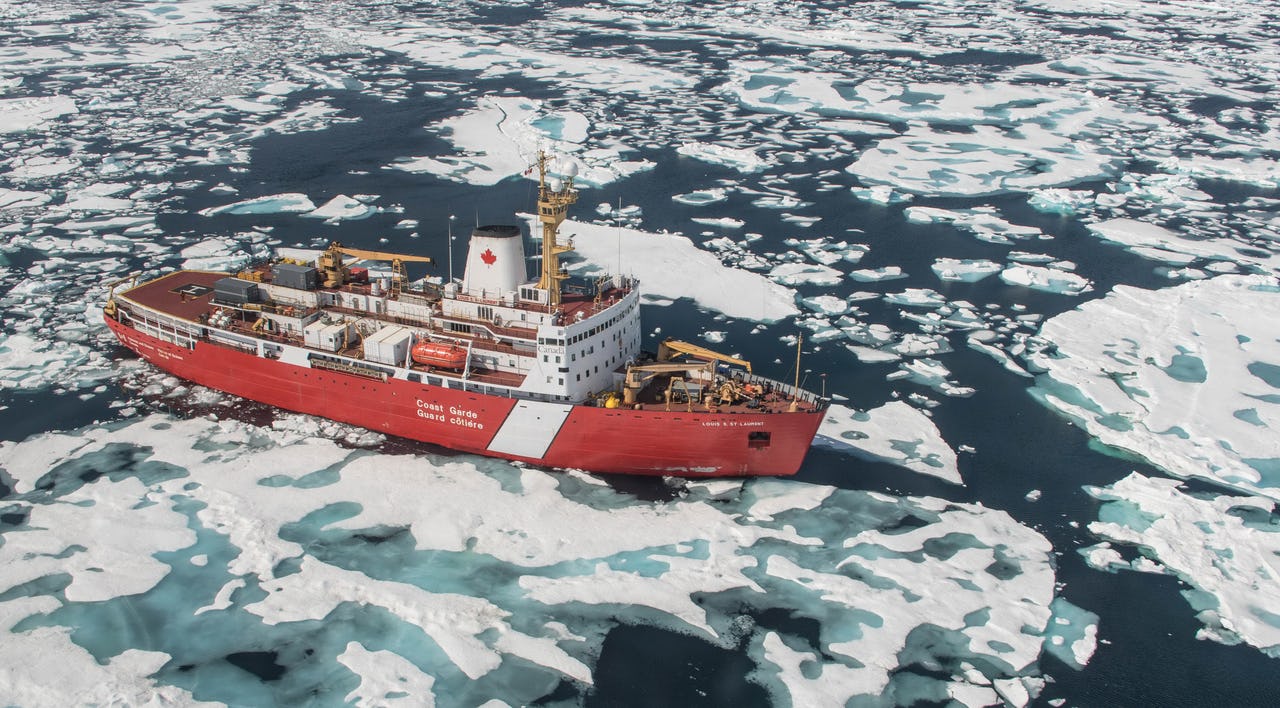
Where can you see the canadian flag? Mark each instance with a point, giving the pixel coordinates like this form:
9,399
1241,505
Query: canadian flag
488,257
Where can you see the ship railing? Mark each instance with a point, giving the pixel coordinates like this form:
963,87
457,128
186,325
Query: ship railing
787,391
380,316
164,328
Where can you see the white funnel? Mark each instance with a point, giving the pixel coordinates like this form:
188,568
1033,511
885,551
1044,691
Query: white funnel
495,262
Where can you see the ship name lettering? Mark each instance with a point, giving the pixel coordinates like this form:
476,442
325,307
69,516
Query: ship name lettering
732,424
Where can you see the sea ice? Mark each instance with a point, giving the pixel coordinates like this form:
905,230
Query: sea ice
1061,201
1158,243
386,678
1224,546
273,204
1183,377
916,297
501,138
480,51
15,199
932,373
895,433
983,222
724,222
23,114
1260,172
342,208
671,266
1050,280
826,304
739,159
805,274
880,194
874,275
990,160
484,588
702,197
964,271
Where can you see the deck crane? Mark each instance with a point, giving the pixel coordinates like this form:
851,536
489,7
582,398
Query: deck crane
672,348
335,273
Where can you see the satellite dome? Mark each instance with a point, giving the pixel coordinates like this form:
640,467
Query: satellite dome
554,184
569,169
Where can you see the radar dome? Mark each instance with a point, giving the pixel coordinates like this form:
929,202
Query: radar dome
554,184
569,169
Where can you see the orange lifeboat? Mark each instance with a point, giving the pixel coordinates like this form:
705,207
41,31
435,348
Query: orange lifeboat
443,356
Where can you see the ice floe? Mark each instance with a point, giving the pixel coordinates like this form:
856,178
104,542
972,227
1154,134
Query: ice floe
894,433
930,372
22,114
875,275
701,197
983,222
1157,243
670,266
1050,280
737,158
272,204
964,271
1185,377
1224,546
501,137
342,208
988,160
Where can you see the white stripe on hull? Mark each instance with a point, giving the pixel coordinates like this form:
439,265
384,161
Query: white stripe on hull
529,429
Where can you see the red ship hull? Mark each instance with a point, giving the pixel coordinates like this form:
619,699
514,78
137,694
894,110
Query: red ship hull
677,442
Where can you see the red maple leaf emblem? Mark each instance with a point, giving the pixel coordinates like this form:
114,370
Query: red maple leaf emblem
488,257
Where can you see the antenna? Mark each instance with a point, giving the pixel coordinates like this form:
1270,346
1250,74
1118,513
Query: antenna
451,218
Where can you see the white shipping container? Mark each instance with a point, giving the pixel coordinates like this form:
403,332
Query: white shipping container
311,334
330,338
389,345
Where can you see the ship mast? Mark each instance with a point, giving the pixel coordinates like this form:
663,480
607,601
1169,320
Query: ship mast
553,205
795,392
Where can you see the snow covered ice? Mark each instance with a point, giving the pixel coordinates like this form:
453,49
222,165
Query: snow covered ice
1184,377
1224,546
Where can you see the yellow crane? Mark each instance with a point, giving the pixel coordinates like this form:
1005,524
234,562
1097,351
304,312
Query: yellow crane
335,273
670,348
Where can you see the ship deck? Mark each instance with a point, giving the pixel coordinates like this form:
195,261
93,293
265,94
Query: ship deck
188,295
774,397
